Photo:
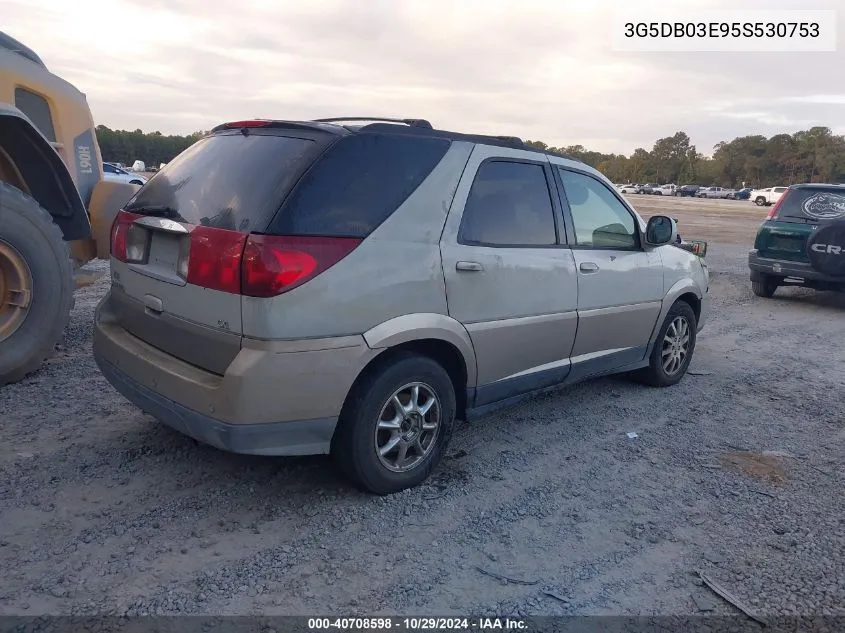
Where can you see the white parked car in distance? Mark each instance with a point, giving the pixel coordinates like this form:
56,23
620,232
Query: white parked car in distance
664,190
629,188
114,173
766,197
714,192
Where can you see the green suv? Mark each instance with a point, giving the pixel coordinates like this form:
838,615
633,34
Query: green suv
802,241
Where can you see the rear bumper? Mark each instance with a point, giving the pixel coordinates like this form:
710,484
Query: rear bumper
301,437
785,268
274,398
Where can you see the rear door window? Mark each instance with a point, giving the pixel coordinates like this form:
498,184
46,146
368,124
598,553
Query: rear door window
357,184
815,205
228,181
509,204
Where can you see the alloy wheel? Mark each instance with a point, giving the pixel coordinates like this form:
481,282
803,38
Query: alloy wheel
676,344
407,427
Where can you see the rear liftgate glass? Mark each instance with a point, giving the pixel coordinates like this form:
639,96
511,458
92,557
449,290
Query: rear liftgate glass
210,218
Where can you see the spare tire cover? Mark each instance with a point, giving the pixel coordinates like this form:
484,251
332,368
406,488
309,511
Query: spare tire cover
826,249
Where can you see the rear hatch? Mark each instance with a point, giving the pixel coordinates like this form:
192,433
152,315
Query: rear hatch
179,244
791,221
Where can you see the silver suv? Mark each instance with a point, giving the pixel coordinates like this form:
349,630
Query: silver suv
292,288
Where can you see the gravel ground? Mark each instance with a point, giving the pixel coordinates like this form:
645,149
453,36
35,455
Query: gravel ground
736,472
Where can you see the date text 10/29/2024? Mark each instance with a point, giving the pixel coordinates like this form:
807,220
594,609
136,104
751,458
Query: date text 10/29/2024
417,624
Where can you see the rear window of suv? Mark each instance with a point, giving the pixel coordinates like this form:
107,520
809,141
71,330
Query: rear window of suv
357,184
228,181
812,204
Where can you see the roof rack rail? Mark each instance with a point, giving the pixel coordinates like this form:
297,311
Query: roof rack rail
411,122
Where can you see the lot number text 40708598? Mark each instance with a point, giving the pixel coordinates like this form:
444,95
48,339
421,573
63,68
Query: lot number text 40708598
417,624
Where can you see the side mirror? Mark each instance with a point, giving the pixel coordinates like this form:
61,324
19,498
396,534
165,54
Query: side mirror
661,229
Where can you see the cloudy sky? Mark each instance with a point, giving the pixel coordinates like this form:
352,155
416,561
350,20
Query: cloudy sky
539,69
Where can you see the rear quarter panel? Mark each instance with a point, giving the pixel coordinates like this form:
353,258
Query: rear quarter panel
395,271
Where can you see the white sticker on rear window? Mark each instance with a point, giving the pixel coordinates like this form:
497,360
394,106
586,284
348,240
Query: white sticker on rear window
824,206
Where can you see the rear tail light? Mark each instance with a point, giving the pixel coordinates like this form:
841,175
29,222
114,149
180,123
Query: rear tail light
774,210
238,263
137,244
275,264
128,242
182,268
214,259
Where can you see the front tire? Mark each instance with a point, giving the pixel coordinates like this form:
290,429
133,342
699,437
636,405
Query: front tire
673,348
765,288
396,424
36,284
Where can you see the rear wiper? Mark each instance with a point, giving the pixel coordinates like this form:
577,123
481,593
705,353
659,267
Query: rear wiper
161,211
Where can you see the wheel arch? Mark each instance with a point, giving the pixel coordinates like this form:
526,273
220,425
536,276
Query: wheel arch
684,290
30,163
437,336
694,302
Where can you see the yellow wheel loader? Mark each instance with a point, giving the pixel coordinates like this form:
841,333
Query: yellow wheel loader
56,210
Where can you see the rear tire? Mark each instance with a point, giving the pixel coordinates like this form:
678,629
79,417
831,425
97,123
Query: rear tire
26,229
765,288
366,424
673,348
760,201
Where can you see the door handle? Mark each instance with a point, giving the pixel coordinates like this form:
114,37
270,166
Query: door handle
588,267
469,266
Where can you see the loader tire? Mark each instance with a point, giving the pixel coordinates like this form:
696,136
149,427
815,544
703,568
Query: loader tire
36,285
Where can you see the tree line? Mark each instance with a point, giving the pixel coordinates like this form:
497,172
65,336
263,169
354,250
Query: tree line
814,155
154,148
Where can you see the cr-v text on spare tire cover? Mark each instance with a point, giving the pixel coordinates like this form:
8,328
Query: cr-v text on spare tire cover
826,248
